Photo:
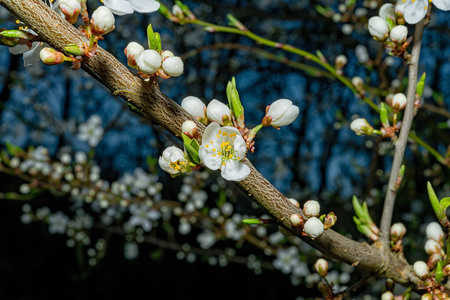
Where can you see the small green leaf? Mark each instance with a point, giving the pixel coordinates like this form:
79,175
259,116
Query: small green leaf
250,221
438,210
13,149
191,151
445,202
357,207
153,42
384,116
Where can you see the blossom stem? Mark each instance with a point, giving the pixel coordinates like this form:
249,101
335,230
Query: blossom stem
400,146
253,133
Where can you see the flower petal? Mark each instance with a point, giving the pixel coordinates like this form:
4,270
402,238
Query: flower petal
144,6
210,161
235,170
287,118
442,4
119,7
240,147
415,11
210,133
278,108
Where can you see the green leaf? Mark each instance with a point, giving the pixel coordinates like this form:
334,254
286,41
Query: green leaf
154,42
384,116
445,202
357,207
250,221
13,149
191,151
438,210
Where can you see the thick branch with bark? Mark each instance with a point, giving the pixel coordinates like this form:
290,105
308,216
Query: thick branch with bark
158,108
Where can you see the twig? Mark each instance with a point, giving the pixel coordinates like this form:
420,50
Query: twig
400,146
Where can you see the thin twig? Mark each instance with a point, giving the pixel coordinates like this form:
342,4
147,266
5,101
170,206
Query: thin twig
400,146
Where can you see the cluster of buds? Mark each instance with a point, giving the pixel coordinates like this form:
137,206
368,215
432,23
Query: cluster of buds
388,28
153,61
226,140
314,225
363,220
397,103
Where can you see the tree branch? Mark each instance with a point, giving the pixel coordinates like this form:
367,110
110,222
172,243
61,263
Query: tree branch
400,146
157,107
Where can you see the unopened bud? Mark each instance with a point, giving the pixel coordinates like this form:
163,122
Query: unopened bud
165,54
398,230
427,296
387,11
387,296
399,34
311,208
195,107
50,56
173,66
340,61
431,246
421,269
73,50
313,228
398,102
149,61
293,201
361,126
433,260
321,267
102,21
434,232
190,129
330,220
132,51
219,112
296,220
358,83
378,28
70,9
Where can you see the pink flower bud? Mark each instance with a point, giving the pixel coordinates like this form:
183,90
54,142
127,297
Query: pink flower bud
70,9
102,21
311,208
50,56
132,51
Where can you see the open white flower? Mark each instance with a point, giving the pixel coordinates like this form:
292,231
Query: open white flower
223,148
415,10
123,7
173,160
91,131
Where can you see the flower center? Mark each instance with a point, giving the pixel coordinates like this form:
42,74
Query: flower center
226,150
177,165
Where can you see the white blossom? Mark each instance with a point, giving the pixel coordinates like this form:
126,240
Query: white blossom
143,215
415,10
399,34
57,223
311,208
223,148
91,131
434,231
173,160
123,7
